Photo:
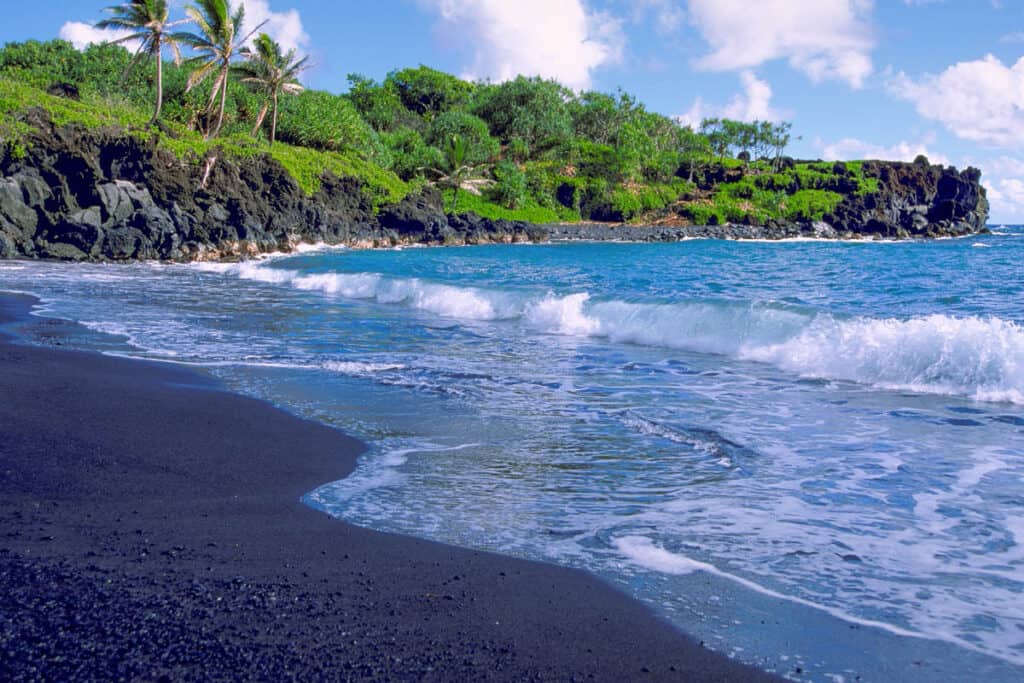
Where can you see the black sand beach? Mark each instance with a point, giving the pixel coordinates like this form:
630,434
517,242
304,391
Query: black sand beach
152,530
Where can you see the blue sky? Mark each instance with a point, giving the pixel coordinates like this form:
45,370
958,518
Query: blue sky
858,78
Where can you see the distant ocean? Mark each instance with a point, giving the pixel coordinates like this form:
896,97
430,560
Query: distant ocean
810,455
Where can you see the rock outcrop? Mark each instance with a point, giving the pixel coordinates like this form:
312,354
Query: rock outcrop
101,194
914,200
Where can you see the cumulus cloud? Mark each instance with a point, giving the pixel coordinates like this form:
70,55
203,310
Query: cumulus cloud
666,15
558,39
753,104
824,39
1004,179
852,148
285,27
81,35
981,100
1004,166
1006,199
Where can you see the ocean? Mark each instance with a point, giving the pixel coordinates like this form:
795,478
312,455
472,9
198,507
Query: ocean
807,454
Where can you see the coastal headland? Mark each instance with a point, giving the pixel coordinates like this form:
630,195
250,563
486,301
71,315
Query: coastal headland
76,186
153,530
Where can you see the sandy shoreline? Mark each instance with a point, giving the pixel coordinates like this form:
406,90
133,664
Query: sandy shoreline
152,527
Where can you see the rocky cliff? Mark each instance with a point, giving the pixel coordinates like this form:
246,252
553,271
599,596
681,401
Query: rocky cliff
914,200
96,194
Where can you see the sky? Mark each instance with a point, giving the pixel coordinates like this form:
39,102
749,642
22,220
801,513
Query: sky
886,79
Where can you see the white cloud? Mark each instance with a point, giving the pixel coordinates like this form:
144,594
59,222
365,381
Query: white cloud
1006,197
852,148
81,35
666,15
825,39
753,104
982,100
1004,179
1017,37
1004,166
557,39
284,27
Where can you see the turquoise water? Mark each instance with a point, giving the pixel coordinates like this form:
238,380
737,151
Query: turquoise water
808,454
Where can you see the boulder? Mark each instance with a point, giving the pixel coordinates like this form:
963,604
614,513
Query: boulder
14,209
419,217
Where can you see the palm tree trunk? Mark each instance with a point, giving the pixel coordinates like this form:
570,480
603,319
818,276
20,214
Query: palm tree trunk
223,103
260,118
273,123
158,49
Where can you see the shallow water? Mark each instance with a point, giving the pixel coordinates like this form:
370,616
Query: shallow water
810,455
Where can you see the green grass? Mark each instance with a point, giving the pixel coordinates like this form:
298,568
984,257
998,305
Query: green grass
633,200
811,204
305,165
531,211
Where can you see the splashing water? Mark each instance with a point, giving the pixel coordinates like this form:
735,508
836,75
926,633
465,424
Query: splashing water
805,454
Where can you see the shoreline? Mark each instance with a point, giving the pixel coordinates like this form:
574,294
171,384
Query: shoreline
153,530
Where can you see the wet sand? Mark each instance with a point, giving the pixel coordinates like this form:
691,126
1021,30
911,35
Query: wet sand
152,529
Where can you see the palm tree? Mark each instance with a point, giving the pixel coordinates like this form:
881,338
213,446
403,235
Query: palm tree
147,21
217,43
268,71
454,170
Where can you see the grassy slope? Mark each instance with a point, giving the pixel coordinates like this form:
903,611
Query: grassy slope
305,165
805,192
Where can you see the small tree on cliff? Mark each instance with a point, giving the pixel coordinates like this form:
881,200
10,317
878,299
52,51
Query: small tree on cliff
217,43
454,169
270,72
147,21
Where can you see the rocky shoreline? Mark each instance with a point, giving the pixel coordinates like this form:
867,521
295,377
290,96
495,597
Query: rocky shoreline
80,194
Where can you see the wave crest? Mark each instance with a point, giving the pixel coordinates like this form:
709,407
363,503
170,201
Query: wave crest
982,358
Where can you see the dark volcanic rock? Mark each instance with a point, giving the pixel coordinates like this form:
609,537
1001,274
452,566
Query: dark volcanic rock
102,194
915,200
95,194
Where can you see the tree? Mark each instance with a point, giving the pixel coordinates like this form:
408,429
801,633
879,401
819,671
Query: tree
780,137
718,139
217,44
692,148
454,168
147,20
532,110
270,72
379,105
480,146
429,92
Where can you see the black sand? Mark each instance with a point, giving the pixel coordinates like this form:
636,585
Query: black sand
152,529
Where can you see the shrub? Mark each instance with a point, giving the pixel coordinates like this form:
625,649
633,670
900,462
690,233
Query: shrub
811,204
480,146
411,156
328,122
510,189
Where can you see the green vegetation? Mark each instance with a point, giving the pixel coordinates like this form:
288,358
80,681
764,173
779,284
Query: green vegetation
271,73
147,21
526,149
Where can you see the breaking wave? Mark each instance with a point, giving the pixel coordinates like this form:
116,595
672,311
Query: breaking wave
981,358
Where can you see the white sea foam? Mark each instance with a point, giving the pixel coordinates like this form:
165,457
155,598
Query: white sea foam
643,552
978,357
981,358
465,303
562,315
357,368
